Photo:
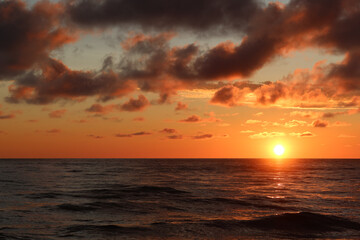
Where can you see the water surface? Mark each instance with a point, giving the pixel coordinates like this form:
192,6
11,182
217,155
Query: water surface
179,198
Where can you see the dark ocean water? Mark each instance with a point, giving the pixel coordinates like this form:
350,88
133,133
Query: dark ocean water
179,199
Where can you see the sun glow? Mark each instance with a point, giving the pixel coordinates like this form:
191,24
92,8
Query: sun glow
279,150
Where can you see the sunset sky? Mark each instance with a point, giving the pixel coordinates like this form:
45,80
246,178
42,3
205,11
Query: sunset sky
189,78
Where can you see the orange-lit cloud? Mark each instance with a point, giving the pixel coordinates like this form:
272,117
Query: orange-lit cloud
303,134
196,119
54,130
320,123
168,130
57,113
135,104
181,106
139,119
267,135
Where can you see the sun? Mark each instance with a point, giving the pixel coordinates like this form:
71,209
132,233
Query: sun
279,150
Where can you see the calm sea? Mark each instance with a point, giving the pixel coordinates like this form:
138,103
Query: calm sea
179,199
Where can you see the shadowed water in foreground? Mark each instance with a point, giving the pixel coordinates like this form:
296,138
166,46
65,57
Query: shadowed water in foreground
179,199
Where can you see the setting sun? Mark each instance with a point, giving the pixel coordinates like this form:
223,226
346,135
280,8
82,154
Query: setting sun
279,150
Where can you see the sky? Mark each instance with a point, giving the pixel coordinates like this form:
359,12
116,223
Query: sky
179,79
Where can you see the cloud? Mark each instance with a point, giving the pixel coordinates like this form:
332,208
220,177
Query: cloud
196,119
259,114
319,123
252,121
151,64
32,120
307,114
163,15
80,121
267,135
246,131
175,137
138,119
168,130
123,135
95,136
100,109
202,136
288,124
56,81
229,96
28,35
57,113
295,123
315,115
54,130
181,106
304,134
192,119
134,105
143,133
6,116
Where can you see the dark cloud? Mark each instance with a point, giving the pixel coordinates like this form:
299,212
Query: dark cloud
192,119
229,96
100,109
95,136
123,135
135,104
55,130
57,113
29,35
307,134
6,116
162,14
347,74
56,81
181,106
168,130
152,64
139,119
202,136
175,137
304,134
143,133
319,123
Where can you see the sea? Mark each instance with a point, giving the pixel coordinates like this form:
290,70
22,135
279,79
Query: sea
179,199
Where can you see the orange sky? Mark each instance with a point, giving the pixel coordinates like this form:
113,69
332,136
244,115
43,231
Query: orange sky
88,84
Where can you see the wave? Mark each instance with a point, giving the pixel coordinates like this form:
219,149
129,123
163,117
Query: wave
250,204
44,195
122,207
288,225
104,229
236,202
293,222
126,191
